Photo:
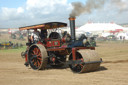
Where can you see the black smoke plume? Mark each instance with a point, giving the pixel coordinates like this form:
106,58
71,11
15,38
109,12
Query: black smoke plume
79,8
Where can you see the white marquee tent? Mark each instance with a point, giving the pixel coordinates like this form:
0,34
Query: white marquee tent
90,27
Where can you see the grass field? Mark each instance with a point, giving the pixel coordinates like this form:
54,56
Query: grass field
113,71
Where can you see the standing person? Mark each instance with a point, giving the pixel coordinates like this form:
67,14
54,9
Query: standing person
123,39
35,36
43,34
120,37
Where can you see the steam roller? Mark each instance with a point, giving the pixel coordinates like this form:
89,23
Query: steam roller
85,61
54,47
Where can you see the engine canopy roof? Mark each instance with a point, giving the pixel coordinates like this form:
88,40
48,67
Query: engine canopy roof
48,25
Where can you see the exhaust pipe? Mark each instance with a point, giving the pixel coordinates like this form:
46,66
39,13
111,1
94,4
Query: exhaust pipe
72,28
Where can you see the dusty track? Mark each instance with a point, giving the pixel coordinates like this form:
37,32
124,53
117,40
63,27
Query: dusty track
114,70
119,61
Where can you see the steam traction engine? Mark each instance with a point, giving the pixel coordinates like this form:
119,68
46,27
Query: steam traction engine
54,48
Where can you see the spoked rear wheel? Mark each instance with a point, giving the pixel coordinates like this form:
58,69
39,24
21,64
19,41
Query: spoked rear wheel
76,67
37,56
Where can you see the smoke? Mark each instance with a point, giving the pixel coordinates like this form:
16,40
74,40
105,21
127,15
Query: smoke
122,5
80,8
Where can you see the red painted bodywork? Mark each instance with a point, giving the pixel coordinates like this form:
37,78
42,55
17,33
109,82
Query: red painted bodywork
49,44
74,53
26,58
54,43
74,50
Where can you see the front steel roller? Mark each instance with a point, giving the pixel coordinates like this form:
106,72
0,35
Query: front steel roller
37,56
88,61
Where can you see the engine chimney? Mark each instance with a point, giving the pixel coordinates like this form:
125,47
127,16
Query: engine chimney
72,28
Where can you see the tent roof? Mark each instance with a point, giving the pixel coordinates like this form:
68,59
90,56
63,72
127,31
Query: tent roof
99,27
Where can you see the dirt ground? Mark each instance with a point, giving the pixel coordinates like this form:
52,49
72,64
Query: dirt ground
113,71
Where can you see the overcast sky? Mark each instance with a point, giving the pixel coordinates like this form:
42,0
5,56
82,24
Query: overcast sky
18,13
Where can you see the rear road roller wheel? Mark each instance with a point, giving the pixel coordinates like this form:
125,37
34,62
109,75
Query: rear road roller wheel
37,56
90,61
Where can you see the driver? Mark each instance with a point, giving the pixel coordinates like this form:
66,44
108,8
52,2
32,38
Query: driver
43,34
35,36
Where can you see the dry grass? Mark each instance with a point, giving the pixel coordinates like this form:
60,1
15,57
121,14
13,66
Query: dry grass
113,51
